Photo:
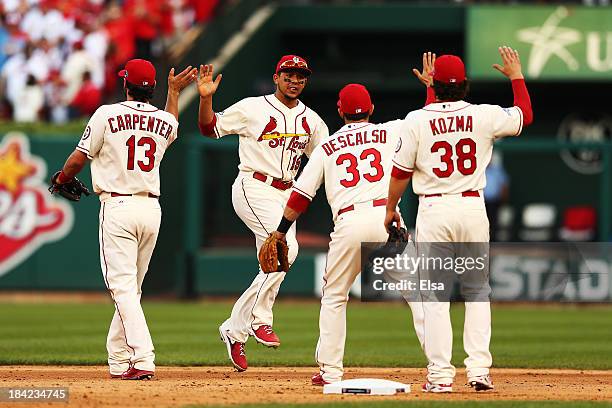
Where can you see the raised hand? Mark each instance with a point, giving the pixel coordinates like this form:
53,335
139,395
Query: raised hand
426,76
176,83
511,67
206,86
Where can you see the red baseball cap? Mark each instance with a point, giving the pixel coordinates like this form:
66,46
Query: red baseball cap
139,72
354,98
449,69
293,63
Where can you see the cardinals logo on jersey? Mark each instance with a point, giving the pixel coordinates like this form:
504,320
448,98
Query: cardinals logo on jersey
305,126
268,130
29,216
278,139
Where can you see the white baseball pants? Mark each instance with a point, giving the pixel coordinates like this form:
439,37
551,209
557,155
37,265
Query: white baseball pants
364,224
454,218
260,206
128,232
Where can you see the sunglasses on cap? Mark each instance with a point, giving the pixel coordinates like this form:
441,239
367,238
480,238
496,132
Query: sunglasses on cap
292,63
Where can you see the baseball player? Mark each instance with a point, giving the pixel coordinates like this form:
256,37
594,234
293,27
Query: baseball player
274,131
446,147
126,143
355,165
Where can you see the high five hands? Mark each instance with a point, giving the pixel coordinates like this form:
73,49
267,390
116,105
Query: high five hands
206,86
176,83
511,67
426,75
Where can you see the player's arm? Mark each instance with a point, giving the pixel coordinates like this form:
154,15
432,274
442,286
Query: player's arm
303,192
511,68
404,162
176,84
88,147
298,202
397,186
426,75
321,132
73,166
296,205
207,87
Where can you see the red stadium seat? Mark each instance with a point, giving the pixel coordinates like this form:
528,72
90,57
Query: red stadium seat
579,224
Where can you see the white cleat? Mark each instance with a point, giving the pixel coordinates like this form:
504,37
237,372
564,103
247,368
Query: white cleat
481,383
437,388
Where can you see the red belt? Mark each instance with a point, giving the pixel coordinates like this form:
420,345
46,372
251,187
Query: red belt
276,183
375,203
470,193
129,195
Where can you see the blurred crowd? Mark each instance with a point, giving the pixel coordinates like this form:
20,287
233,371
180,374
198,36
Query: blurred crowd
59,58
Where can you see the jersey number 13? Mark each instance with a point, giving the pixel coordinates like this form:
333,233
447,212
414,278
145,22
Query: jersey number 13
149,154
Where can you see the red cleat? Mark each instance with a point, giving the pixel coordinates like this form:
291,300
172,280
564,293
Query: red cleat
235,351
135,374
318,380
266,336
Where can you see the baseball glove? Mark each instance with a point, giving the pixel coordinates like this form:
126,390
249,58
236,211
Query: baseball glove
71,190
274,255
397,235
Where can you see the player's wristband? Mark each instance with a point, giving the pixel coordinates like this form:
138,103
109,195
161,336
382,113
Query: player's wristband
284,225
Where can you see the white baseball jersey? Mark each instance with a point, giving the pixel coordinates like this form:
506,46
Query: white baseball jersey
126,142
354,163
448,145
272,136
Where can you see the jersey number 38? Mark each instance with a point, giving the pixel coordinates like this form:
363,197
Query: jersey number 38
149,154
466,158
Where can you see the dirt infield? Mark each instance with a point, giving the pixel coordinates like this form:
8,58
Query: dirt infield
175,386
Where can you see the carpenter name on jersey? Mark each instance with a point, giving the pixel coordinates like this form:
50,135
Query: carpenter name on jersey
145,123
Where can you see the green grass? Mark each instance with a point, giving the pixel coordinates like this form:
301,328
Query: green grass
437,404
378,335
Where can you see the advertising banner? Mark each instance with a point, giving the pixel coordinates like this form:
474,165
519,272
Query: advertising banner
555,43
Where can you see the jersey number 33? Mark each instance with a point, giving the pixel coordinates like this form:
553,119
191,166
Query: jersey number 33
375,173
